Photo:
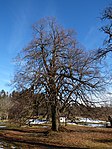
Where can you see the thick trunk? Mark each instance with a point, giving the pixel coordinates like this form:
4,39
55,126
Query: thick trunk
54,118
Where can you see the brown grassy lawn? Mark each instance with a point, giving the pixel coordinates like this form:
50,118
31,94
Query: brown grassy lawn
69,137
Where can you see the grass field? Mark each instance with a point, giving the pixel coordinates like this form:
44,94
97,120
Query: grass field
67,137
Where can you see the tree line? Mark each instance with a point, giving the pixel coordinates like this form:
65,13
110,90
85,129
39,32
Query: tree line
18,107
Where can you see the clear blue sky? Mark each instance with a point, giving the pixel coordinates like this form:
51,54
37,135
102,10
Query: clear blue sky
17,17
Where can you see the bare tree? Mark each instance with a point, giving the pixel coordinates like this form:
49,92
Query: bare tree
55,66
107,29
105,50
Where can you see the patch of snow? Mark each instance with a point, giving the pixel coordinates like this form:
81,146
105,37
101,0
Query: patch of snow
96,125
71,123
36,121
2,126
89,120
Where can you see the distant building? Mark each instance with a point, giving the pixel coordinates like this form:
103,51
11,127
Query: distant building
62,119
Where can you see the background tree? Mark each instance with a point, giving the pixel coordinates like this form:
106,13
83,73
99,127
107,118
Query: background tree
107,29
5,104
22,106
107,44
55,66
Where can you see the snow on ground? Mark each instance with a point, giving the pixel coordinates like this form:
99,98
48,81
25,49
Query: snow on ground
89,120
36,121
81,121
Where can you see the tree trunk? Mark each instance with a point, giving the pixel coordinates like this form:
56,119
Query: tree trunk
54,118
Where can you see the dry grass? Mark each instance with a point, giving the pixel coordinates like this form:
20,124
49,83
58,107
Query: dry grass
70,136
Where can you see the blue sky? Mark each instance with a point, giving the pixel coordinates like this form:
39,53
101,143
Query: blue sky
17,17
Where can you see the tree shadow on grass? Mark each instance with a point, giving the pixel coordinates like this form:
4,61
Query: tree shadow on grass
19,143
91,131
63,129
104,140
